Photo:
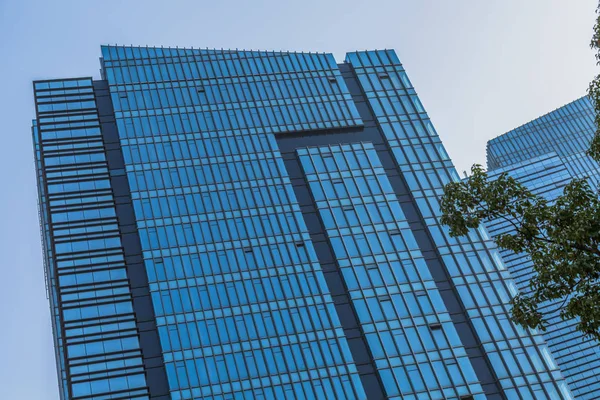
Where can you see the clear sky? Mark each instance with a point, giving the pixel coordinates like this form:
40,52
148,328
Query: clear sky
481,68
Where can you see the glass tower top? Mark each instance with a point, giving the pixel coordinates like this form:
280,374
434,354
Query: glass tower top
255,225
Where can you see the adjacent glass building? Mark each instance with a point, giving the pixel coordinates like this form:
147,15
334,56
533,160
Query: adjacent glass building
265,225
545,155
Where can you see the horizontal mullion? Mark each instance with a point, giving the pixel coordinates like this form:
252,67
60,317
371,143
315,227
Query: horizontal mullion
128,332
103,357
66,113
83,177
71,140
89,95
140,393
108,373
78,179
88,253
85,223
79,269
82,207
83,288
73,152
94,123
100,322
81,237
99,301
79,195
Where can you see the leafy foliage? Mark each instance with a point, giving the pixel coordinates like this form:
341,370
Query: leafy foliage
594,90
561,238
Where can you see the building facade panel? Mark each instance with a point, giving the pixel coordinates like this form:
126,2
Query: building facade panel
517,354
545,155
408,329
240,297
98,349
265,225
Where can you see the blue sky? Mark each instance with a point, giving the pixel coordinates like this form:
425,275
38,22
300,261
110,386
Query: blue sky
480,67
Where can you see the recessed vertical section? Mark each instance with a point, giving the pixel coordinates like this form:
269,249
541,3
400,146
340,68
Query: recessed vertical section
357,341
430,260
388,282
136,272
382,288
469,263
419,229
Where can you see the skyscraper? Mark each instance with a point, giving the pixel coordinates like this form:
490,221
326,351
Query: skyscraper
545,155
264,225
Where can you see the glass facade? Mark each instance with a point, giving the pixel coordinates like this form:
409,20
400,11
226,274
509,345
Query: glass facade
96,335
545,155
265,225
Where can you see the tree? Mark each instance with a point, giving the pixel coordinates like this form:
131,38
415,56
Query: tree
562,237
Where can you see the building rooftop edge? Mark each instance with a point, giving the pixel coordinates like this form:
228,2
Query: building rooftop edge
533,120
